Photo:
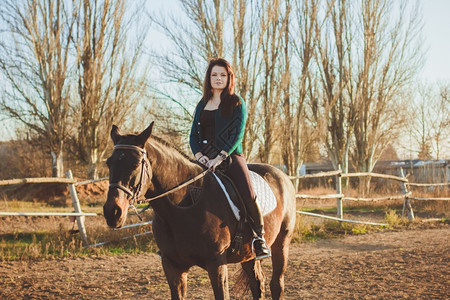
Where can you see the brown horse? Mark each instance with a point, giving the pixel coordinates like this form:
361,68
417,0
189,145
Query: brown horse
195,230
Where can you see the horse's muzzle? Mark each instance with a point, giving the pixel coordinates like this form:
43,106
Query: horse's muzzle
115,209
113,217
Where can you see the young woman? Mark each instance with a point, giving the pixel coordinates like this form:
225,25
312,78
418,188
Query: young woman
217,132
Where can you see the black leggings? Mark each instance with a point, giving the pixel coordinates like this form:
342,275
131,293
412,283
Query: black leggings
239,173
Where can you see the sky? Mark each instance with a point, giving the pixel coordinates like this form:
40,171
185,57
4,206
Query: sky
436,14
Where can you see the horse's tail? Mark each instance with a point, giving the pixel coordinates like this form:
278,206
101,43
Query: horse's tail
242,284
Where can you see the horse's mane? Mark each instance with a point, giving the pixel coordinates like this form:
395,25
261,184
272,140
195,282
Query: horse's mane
184,166
171,146
161,142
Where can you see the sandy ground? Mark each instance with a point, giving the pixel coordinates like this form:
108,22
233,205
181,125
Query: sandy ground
407,264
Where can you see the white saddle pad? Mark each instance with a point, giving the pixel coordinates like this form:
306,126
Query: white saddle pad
265,197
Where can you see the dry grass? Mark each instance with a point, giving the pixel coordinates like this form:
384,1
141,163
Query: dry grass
25,238
308,230
26,245
392,218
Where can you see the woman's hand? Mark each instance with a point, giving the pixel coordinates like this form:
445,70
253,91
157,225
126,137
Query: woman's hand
213,163
204,160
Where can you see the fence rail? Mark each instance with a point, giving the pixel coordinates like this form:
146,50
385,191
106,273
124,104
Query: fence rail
46,214
319,197
71,182
377,198
428,184
428,199
90,181
320,174
37,180
340,219
369,174
406,195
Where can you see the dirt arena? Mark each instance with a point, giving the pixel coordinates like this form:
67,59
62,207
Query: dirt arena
406,264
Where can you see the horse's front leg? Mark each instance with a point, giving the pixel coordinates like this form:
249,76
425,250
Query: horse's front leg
218,275
176,278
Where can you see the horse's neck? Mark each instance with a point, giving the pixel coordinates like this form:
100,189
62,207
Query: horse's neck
169,166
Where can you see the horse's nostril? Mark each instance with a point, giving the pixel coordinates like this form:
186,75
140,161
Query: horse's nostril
117,212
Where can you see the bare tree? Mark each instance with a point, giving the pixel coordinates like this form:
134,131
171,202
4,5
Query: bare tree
298,88
195,40
111,80
209,21
391,55
334,57
430,115
441,128
247,64
271,34
383,70
34,61
421,113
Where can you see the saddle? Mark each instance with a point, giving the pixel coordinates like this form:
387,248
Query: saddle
265,200
264,195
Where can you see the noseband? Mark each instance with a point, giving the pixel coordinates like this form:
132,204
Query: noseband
135,191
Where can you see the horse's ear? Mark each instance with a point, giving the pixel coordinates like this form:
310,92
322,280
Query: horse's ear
143,137
115,134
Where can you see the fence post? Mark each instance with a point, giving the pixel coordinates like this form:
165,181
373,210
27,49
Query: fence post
406,201
340,210
77,207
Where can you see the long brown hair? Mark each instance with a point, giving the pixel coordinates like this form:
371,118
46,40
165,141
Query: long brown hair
228,99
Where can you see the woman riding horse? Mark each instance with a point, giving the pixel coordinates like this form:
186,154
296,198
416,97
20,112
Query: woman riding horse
216,136
196,227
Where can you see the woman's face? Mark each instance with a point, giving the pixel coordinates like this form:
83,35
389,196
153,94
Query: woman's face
219,77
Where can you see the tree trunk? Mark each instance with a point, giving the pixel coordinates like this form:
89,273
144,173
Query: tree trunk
57,163
92,165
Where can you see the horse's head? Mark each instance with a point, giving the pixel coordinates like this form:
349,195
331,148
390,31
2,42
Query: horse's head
129,174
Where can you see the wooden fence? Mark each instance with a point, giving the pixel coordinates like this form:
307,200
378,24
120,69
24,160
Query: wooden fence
79,214
404,183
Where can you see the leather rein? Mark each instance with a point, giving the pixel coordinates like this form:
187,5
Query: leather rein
135,192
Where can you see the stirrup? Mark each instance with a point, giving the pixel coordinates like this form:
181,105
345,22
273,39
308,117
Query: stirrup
253,251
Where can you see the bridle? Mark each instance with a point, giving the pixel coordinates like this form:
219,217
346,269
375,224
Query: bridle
140,181
144,173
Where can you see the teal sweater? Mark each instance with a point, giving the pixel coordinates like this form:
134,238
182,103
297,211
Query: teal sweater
228,131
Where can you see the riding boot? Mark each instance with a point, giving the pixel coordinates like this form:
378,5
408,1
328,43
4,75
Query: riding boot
257,224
